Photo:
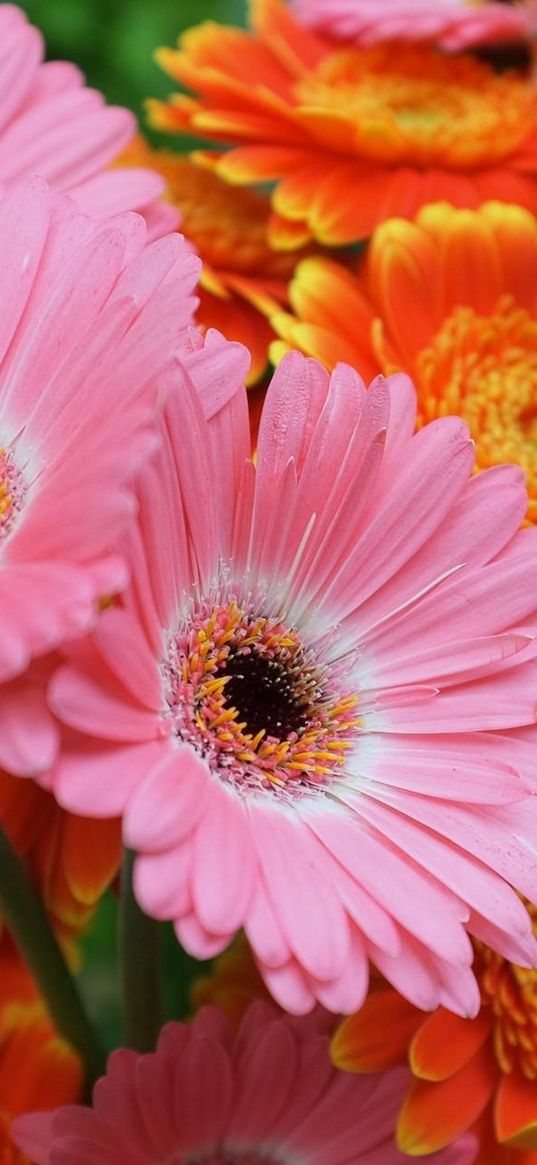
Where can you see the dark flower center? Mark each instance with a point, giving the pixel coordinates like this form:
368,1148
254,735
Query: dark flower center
265,693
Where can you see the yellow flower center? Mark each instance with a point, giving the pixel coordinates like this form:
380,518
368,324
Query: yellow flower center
12,491
484,368
414,105
511,994
247,693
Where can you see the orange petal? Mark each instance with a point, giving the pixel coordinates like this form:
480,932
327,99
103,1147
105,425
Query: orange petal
472,268
326,293
285,235
38,1070
507,186
294,45
446,1042
515,231
91,855
237,320
377,1036
490,1152
404,267
433,1115
516,1111
353,198
257,163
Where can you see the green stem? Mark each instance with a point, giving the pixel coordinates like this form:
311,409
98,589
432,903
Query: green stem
27,920
139,958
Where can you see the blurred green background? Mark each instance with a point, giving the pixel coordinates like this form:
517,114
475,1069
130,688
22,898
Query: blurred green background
113,40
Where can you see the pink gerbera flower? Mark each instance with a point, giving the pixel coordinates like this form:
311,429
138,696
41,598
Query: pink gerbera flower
53,125
308,710
91,322
265,1095
452,24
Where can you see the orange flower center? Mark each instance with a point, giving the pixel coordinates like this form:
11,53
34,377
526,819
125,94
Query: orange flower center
414,105
484,368
511,994
247,693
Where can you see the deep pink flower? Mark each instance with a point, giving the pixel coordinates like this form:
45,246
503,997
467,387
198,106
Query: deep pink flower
91,323
309,708
51,124
265,1095
452,24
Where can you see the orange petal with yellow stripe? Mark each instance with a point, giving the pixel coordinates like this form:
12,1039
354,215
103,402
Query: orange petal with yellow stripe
433,1115
516,1111
377,1036
445,1043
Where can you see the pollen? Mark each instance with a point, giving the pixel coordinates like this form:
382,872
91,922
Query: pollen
484,368
416,106
511,994
11,492
254,700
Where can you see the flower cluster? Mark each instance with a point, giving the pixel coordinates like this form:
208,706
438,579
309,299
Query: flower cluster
268,663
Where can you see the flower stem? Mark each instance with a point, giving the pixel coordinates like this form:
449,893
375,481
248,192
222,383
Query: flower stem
139,967
27,920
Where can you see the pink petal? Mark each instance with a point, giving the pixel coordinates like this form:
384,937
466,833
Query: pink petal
167,806
29,737
224,863
302,895
95,703
162,882
97,778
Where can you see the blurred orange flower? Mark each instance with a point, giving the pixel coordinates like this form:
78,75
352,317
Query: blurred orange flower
234,982
451,299
71,859
468,1073
243,279
38,1070
351,136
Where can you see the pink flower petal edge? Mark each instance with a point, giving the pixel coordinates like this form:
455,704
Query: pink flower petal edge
451,24
53,125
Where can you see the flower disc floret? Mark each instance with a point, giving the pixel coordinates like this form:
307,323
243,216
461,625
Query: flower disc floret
485,369
255,702
411,106
12,491
510,992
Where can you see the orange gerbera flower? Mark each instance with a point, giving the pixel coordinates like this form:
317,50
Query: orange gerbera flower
469,1073
71,859
450,298
243,279
38,1070
351,136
